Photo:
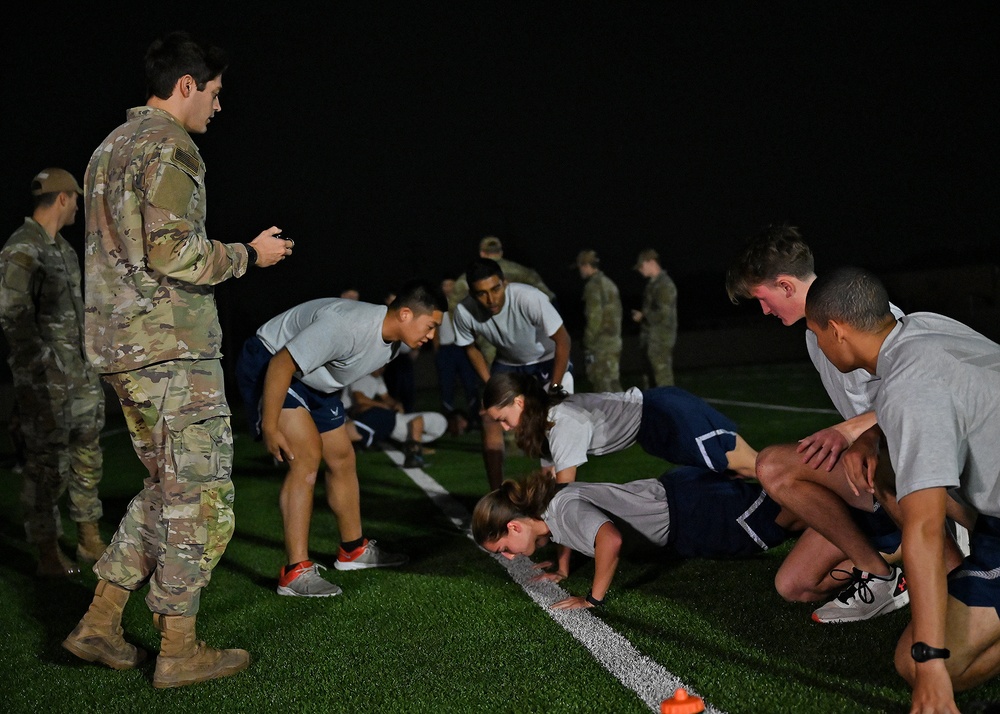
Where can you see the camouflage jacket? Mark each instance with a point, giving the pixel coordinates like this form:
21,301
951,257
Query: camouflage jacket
602,308
41,310
149,264
659,309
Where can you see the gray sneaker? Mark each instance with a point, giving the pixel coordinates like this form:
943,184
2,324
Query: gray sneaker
866,597
368,556
304,580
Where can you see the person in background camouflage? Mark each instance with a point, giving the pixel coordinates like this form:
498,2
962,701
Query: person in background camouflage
152,331
58,398
602,335
657,320
491,247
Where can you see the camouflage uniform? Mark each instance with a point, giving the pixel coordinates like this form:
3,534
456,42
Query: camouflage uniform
602,335
58,397
152,330
512,273
658,330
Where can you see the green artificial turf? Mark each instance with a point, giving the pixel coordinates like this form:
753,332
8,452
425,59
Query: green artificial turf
450,632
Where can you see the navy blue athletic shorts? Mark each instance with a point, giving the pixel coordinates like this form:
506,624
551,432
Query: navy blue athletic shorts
542,371
326,409
715,515
375,424
683,429
976,582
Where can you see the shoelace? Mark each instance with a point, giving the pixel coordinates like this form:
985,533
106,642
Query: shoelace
858,585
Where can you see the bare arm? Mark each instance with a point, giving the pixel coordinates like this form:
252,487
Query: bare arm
561,360
278,378
478,362
567,475
607,547
923,554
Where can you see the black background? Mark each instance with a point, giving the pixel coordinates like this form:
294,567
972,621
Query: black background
388,138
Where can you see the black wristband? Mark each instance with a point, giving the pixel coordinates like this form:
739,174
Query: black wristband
923,652
594,601
251,254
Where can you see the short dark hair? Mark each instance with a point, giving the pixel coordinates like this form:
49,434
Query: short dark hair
775,250
849,295
177,53
421,296
481,269
47,199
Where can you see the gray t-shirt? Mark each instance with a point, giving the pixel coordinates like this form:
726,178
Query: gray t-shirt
520,331
333,341
853,393
593,423
939,407
578,510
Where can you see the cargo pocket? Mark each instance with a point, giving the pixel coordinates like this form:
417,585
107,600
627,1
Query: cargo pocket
195,462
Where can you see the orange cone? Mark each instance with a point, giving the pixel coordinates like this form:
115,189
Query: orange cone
682,703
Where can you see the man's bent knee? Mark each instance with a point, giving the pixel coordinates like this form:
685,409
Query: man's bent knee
772,465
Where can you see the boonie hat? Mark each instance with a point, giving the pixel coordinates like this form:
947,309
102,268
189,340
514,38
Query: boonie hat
54,180
644,255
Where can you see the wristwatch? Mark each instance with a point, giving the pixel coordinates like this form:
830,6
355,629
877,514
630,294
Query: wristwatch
921,652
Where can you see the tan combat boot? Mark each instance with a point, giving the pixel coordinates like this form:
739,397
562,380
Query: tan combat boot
89,546
186,660
98,636
52,563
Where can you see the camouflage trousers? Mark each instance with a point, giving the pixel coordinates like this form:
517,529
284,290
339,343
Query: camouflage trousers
604,368
176,529
59,435
659,361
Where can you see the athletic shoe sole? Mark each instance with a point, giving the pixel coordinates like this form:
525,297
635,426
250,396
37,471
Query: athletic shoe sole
891,606
350,565
289,592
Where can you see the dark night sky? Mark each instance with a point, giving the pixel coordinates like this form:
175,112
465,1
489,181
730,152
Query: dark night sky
388,138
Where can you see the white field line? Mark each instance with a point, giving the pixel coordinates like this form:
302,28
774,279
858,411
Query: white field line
776,407
651,682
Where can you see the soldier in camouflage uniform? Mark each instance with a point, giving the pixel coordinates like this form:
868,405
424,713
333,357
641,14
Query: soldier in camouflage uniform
602,335
491,247
152,330
58,397
657,320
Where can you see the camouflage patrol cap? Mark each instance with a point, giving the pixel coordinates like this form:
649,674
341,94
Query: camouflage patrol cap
644,255
586,257
54,180
490,244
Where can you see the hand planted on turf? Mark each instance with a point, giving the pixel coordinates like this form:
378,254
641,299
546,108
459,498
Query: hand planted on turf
553,577
822,450
860,461
932,691
571,603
